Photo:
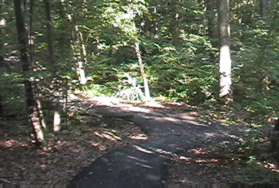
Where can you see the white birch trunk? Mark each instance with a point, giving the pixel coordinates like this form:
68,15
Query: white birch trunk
225,62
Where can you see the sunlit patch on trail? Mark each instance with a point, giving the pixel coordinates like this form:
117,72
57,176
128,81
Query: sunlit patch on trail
139,137
139,148
107,135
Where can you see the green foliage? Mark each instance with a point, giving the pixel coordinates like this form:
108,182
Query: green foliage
182,73
256,69
179,57
11,87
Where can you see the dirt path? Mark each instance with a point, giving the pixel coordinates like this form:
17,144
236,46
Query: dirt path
170,133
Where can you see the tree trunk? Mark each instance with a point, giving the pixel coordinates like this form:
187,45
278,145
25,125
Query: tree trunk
2,67
49,35
31,38
1,106
174,6
77,43
78,48
1,72
31,109
80,55
31,57
265,6
212,19
225,54
56,115
141,65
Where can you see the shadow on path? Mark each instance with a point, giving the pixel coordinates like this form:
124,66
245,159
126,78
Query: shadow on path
146,165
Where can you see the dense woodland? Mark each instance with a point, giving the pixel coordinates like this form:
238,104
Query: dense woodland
218,55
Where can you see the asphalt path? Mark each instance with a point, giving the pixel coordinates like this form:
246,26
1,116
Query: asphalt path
146,165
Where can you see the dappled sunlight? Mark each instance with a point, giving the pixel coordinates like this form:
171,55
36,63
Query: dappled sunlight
139,109
188,116
210,135
143,165
137,159
98,146
163,152
140,162
271,166
177,121
144,150
127,89
3,22
202,156
107,135
13,144
139,137
189,160
144,107
90,135
235,137
199,151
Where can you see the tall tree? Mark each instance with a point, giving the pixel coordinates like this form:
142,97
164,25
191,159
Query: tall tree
80,54
144,77
265,6
31,108
49,35
74,15
57,116
225,54
2,67
212,18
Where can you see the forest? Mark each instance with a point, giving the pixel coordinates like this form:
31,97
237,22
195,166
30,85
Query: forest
190,87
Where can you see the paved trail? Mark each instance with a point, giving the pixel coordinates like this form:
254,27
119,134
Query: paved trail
146,165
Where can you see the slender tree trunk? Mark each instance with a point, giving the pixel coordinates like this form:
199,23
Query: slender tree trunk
49,35
1,106
265,6
212,19
77,43
31,39
57,115
1,97
80,54
2,24
31,44
31,109
141,65
40,112
78,48
225,54
174,21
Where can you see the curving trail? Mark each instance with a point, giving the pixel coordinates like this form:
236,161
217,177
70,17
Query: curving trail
145,165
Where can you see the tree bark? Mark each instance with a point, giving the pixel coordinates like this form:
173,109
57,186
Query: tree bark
56,115
225,54
77,44
80,54
31,109
141,65
49,35
212,19
2,24
265,6
2,70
